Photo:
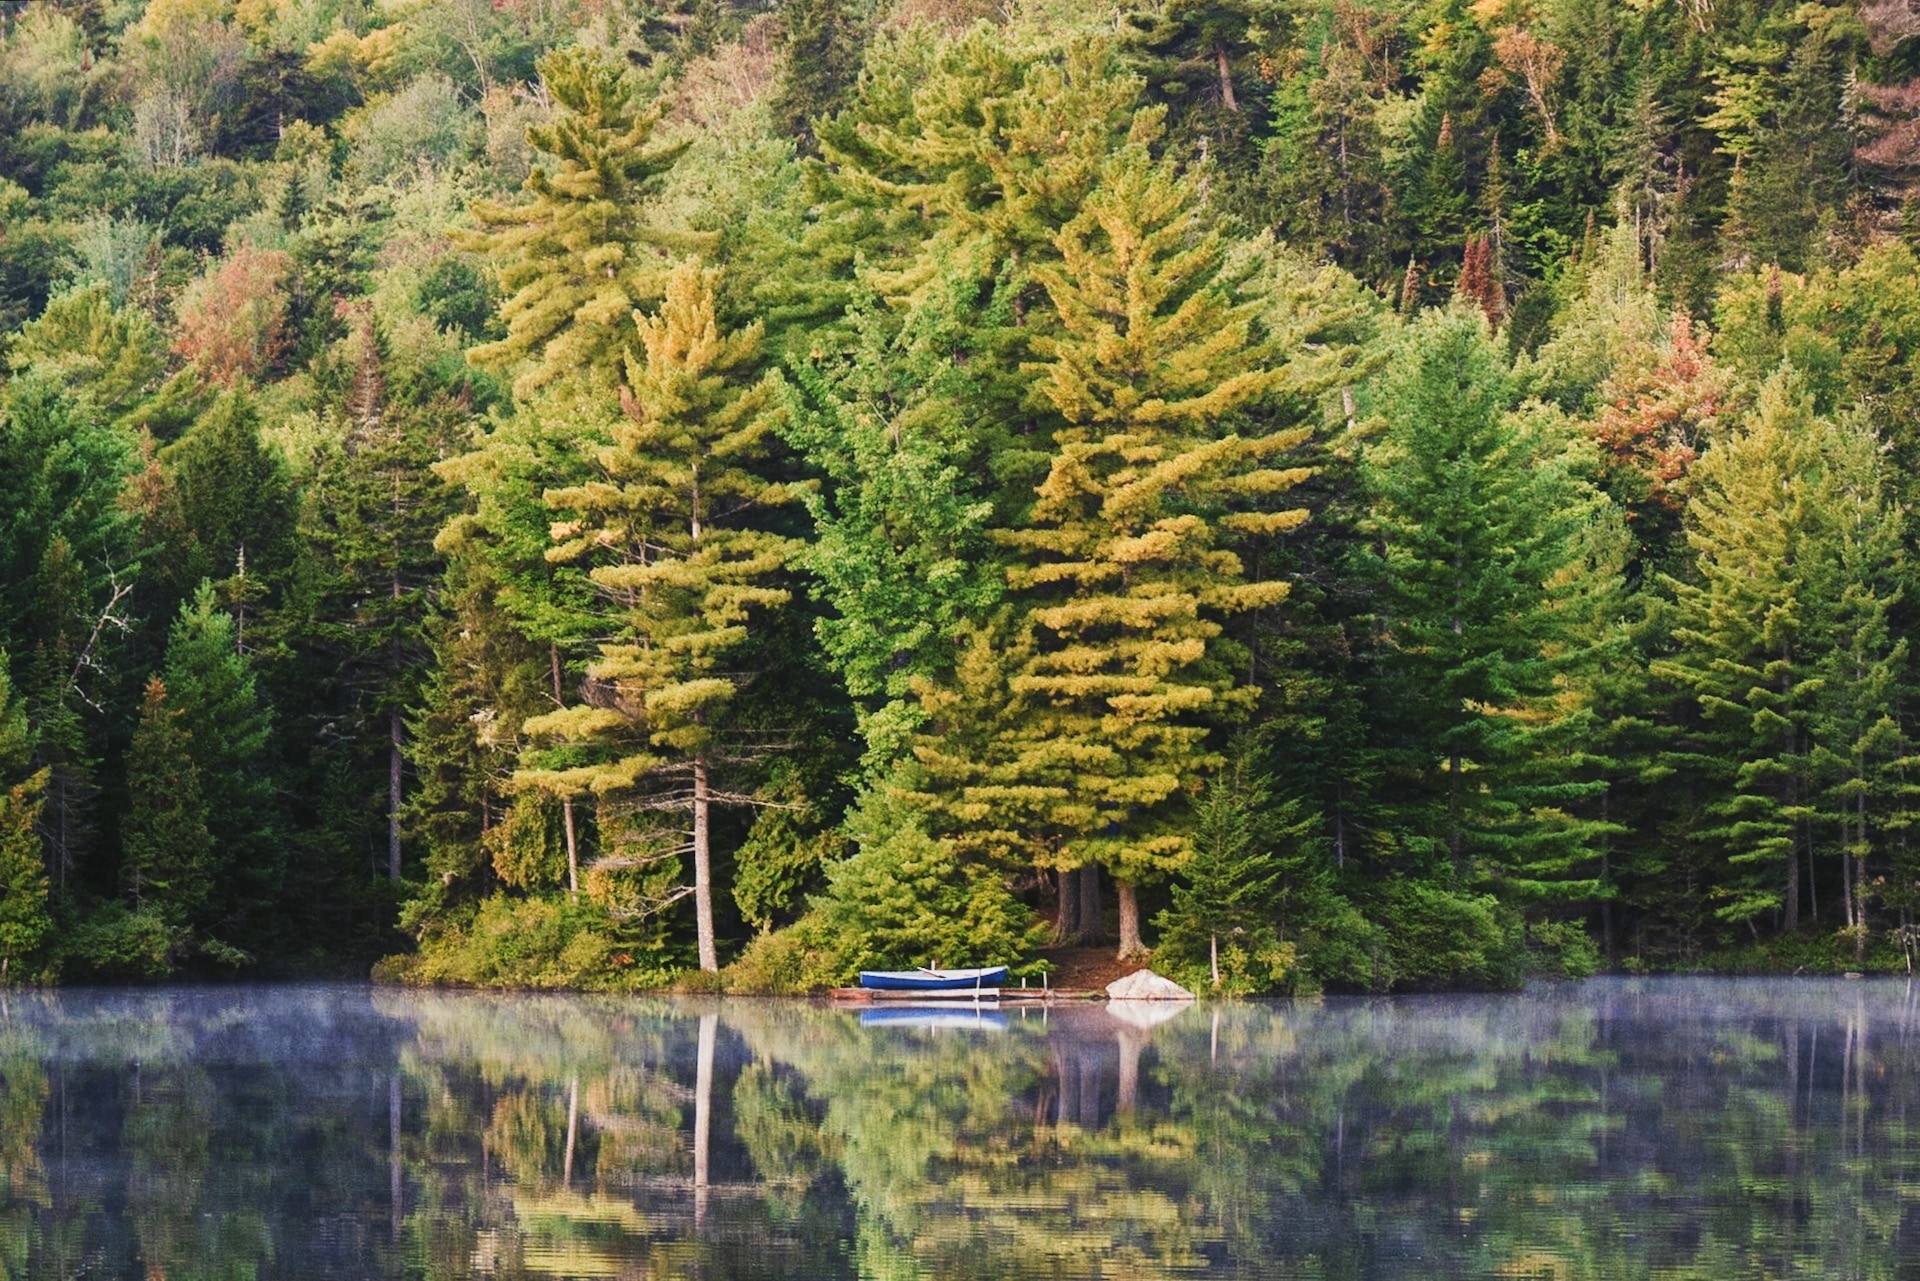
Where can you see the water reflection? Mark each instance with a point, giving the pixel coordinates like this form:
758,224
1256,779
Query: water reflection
1677,1128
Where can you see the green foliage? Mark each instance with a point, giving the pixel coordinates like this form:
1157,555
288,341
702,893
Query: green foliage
1475,524
111,353
520,942
166,868
1597,629
24,919
579,257
1252,861
906,899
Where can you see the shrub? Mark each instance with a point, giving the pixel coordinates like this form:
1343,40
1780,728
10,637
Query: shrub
906,899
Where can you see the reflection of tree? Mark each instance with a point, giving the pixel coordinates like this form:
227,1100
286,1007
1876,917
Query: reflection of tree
594,1138
23,1105
996,1155
1680,1130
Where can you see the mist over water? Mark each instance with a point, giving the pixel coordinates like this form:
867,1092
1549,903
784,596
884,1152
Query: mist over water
1680,1128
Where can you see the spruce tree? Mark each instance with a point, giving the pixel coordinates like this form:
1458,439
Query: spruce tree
235,504
1861,747
166,847
1475,524
210,687
373,509
1747,655
676,542
582,253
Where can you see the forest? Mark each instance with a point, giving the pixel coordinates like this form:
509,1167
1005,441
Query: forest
1340,495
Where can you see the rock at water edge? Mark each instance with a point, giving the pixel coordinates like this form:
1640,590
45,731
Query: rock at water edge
1145,985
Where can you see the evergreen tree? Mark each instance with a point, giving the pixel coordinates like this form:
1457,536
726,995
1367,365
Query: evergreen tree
676,545
1475,523
1124,573
582,254
210,686
166,847
373,509
824,43
113,355
1747,653
236,508
1861,747
1233,886
24,919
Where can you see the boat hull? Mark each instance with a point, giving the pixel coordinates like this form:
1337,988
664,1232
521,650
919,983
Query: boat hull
933,980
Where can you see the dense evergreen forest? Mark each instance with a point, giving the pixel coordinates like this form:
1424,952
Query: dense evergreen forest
1344,494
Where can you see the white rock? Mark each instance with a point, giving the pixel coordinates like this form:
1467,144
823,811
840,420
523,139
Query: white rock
1145,985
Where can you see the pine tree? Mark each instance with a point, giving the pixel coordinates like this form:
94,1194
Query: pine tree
1124,573
582,254
24,890
210,687
373,510
1747,654
166,847
114,356
1474,524
24,919
675,539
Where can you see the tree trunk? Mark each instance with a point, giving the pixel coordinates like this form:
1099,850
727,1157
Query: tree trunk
1226,79
703,869
396,763
1091,924
1130,945
1066,921
566,802
1213,957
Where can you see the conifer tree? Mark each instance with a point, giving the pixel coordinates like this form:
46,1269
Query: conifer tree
1234,885
1747,653
1475,524
1125,572
676,542
24,919
581,255
235,503
1860,744
210,687
823,42
373,509
166,846
113,355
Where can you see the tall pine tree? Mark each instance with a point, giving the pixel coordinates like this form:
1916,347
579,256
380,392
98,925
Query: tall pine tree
676,537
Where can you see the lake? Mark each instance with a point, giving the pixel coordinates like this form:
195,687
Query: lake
1675,1128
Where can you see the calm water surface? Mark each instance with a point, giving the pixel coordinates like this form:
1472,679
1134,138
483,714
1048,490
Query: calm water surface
1672,1129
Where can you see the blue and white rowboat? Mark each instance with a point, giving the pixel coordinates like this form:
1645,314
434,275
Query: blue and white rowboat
933,980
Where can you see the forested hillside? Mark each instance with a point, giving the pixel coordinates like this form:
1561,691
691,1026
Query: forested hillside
1340,493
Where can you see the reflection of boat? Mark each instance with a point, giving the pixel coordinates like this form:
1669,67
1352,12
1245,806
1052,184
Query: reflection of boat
924,980
976,1017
